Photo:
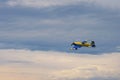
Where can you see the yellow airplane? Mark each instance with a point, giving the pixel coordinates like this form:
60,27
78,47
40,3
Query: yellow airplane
79,44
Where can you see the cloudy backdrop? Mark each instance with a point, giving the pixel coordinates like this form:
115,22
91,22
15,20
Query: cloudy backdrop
35,38
51,65
54,24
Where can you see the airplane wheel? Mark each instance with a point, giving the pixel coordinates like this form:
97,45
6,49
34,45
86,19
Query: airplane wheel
75,48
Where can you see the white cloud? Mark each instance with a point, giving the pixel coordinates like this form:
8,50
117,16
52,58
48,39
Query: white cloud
50,65
40,3
112,4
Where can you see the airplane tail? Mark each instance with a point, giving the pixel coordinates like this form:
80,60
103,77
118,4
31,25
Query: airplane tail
93,44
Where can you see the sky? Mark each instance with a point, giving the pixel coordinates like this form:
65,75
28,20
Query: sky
35,39
54,25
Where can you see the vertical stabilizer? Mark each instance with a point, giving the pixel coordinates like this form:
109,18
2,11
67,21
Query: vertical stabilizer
93,44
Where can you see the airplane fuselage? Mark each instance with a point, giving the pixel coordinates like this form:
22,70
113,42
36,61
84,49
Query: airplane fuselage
77,43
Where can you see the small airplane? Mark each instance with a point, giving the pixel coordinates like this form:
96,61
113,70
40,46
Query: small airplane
79,44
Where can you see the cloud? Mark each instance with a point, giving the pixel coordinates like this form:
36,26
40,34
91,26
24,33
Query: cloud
30,31
107,4
40,3
49,3
35,24
51,65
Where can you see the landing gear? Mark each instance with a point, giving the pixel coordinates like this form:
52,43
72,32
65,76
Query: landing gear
76,48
